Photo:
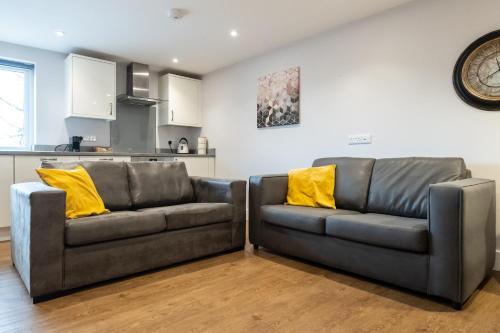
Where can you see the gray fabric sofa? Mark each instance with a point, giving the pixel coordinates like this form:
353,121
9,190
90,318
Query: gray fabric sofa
419,223
159,216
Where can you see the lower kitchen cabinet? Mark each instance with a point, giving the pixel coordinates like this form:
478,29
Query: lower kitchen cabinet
106,158
198,166
6,180
24,170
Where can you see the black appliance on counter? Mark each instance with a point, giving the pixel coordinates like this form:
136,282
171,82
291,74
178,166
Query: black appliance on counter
74,143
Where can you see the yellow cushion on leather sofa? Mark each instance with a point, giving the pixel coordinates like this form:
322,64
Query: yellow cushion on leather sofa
82,198
312,187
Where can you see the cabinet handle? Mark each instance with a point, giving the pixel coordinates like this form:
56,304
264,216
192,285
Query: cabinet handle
111,108
106,159
172,115
48,159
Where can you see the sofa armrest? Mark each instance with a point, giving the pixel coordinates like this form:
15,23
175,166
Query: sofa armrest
264,190
37,236
462,219
229,191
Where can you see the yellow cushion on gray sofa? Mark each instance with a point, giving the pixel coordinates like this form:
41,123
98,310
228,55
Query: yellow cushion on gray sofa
110,179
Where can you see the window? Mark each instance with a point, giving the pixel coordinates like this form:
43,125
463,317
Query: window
16,104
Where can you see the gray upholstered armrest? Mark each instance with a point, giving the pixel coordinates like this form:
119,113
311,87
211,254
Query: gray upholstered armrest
264,190
229,191
37,236
462,236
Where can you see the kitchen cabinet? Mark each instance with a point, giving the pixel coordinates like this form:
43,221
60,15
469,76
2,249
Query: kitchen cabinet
6,179
90,87
184,101
24,166
198,166
106,158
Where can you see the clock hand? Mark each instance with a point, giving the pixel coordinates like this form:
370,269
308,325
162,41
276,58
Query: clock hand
492,74
498,63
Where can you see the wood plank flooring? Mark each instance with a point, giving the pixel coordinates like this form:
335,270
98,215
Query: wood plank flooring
243,291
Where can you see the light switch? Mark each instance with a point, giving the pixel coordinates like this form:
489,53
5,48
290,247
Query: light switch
360,139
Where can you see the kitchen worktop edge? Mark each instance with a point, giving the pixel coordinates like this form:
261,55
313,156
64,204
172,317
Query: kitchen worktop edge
67,153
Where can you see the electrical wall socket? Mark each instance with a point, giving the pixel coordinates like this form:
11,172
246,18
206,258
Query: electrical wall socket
360,139
90,138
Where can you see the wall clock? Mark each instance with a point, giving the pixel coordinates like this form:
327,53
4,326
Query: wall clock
477,73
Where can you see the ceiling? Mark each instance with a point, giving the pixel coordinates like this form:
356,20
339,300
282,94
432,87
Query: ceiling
140,30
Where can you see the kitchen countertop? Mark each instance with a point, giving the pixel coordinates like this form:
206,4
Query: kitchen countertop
86,153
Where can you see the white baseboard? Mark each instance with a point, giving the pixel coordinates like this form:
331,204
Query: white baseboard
497,261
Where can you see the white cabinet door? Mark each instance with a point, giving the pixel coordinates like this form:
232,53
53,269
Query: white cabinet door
184,101
106,158
6,179
163,113
91,87
197,166
24,166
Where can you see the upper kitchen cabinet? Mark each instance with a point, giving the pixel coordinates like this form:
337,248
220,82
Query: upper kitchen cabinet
184,101
90,87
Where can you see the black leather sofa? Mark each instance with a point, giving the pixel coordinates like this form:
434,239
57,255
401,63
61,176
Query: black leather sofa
159,216
419,223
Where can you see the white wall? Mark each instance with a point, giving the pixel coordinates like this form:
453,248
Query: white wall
389,75
51,128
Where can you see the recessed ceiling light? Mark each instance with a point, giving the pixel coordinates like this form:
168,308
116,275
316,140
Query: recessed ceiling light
176,13
175,60
233,33
59,33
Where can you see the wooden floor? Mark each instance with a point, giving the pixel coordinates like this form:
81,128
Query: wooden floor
243,291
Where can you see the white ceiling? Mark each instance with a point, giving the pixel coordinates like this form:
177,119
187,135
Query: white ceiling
140,30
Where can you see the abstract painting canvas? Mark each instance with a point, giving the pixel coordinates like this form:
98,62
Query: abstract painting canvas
278,98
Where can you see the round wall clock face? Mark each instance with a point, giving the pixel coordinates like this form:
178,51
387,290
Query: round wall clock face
477,73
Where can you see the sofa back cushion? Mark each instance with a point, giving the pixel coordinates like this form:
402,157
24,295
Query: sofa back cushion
110,179
400,186
352,180
154,184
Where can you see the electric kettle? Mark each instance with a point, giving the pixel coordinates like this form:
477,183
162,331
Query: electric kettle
182,147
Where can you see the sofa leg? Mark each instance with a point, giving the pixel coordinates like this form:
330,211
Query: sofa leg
51,296
457,306
255,246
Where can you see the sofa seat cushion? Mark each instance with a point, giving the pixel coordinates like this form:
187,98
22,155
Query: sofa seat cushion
309,219
402,233
116,225
193,214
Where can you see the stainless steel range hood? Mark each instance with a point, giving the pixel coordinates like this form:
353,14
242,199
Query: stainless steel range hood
138,87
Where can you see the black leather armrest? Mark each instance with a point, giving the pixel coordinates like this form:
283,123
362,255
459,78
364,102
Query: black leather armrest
228,191
264,190
37,236
462,219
